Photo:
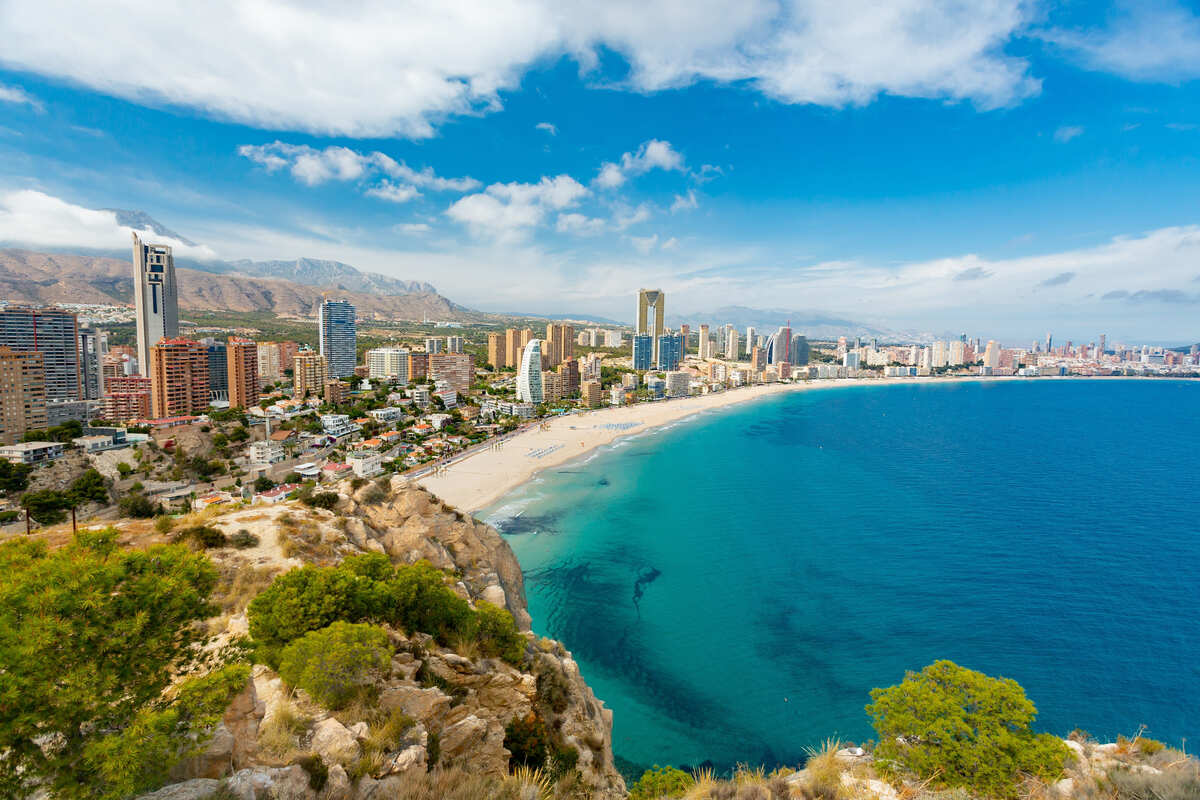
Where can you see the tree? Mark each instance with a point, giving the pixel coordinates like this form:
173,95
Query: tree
497,633
263,484
661,782
335,663
89,488
962,728
14,477
46,505
90,637
137,505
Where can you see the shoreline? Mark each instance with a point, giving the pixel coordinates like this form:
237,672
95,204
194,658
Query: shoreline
479,478
475,480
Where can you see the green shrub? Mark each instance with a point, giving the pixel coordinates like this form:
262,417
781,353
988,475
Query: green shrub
8,516
335,663
528,741
326,500
497,633
563,760
203,536
962,728
659,782
367,588
243,539
137,505
374,496
263,484
552,690
89,488
46,506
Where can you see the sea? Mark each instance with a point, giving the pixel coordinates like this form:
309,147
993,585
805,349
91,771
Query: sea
734,585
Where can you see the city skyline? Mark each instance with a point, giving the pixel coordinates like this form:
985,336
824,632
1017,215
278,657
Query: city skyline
1034,169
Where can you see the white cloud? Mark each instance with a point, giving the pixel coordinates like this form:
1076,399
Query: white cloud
1067,132
393,192
15,94
579,224
1157,40
34,219
653,154
312,167
686,202
548,127
671,244
644,244
626,217
373,69
506,211
412,227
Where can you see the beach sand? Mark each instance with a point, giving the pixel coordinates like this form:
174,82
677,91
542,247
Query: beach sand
481,477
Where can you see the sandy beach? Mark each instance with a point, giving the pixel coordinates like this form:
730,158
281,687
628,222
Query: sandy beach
478,479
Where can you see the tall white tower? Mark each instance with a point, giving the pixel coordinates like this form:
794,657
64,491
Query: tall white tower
155,297
529,375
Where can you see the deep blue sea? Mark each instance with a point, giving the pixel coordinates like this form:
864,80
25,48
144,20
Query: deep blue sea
733,586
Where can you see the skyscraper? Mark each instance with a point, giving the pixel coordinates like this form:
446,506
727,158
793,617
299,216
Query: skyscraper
22,394
751,339
454,369
242,357
155,297
218,369
178,378
529,375
92,345
433,345
53,333
670,351
560,342
512,348
388,363
651,299
336,331
704,350
454,344
800,350
732,350
643,351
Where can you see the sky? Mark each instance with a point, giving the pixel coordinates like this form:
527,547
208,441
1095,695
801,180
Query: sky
999,167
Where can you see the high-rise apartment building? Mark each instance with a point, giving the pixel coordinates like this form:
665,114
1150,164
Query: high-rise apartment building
643,351
155,297
388,364
310,370
433,345
758,360
270,362
751,340
53,333
732,347
704,350
512,348
242,355
337,334
590,394
454,344
670,351
22,394
801,352
418,366
560,343
569,370
529,375
178,378
651,302
454,369
127,397
92,346
218,369
496,354
552,386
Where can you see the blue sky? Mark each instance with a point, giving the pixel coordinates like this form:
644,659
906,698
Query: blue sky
1005,168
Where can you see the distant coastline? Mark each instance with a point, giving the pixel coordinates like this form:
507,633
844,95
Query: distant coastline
478,479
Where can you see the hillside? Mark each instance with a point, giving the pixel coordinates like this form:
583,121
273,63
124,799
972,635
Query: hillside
31,277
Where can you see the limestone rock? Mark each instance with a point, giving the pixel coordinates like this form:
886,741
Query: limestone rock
195,789
337,785
412,757
360,730
334,743
283,783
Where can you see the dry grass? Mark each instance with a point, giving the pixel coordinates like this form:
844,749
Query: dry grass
279,736
238,584
825,771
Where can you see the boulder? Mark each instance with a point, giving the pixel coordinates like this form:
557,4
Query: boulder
418,703
337,785
280,783
334,743
412,757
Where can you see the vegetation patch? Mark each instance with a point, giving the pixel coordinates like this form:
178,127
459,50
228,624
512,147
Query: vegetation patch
336,663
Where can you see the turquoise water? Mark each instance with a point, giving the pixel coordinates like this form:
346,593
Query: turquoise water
734,586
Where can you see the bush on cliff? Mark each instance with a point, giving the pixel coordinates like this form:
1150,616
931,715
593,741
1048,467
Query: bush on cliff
90,636
367,588
334,664
527,740
661,782
964,729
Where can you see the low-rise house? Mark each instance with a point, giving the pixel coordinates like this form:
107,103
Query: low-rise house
31,452
335,470
389,414
277,495
267,451
338,425
365,464
212,499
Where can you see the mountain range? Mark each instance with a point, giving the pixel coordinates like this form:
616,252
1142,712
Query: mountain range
285,287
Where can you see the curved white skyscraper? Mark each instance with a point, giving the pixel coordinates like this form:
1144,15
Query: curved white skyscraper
529,376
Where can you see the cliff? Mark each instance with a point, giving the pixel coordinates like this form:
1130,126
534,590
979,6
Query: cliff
455,706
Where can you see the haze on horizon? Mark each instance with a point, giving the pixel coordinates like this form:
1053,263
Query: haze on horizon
1002,167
